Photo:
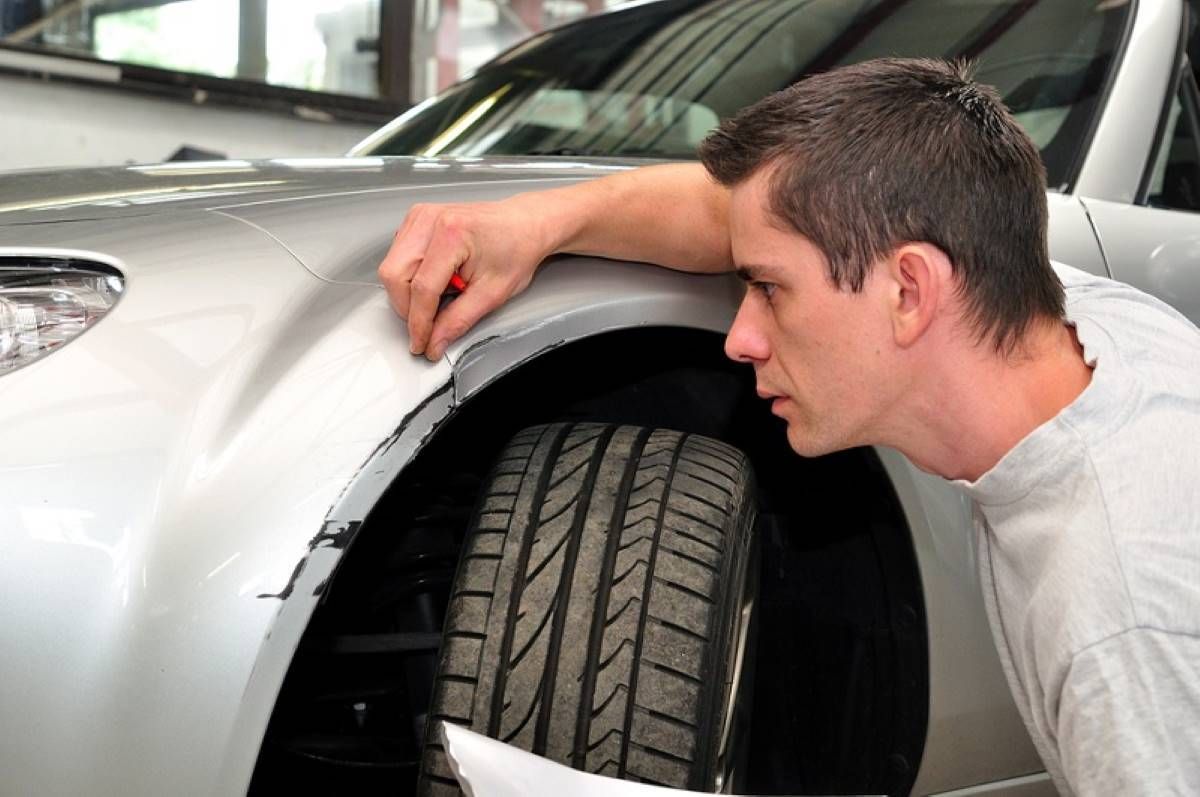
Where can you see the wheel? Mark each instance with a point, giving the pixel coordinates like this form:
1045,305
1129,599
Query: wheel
602,607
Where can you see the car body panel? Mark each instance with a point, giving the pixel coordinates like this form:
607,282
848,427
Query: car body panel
162,476
1154,249
39,197
966,681
301,223
1122,142
1072,237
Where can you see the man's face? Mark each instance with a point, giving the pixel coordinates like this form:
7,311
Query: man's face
820,354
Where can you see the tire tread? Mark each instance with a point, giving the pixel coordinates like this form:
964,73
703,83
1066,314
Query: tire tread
590,590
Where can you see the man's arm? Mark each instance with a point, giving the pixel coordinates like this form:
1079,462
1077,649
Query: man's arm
673,215
1129,716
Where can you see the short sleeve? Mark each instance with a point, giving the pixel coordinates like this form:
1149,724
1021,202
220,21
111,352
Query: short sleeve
1129,716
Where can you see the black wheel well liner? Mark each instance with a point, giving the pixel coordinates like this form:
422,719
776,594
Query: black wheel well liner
841,699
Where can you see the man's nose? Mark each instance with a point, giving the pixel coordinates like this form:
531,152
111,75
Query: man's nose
746,342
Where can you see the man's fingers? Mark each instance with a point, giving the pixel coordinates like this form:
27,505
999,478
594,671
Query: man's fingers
404,256
433,243
447,252
459,316
396,283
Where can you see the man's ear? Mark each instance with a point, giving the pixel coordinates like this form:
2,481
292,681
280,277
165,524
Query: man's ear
918,281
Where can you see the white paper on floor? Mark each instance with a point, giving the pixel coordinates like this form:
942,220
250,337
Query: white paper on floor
488,768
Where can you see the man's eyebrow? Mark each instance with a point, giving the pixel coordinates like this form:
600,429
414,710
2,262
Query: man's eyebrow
752,272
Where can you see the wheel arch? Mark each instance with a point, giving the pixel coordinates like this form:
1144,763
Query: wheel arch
675,375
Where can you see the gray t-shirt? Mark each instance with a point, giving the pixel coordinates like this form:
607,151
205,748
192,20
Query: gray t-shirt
1089,554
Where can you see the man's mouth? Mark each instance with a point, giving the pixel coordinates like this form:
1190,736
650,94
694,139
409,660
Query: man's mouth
777,399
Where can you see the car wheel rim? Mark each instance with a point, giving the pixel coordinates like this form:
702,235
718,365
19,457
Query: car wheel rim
733,745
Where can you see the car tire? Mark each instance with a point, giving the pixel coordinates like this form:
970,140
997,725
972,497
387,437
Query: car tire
602,607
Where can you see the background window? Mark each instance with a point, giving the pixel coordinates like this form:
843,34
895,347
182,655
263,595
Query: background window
453,38
318,45
1175,175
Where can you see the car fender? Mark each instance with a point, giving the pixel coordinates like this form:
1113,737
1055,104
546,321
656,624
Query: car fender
166,482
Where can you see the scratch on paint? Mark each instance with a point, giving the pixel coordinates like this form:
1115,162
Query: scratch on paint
338,534
386,444
417,410
479,344
333,534
468,358
286,592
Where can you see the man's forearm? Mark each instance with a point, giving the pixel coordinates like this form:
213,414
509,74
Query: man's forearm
673,215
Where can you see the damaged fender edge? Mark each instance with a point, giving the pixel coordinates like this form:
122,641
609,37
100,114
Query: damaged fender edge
381,467
312,575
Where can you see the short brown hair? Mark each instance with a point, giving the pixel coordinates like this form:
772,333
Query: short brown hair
870,156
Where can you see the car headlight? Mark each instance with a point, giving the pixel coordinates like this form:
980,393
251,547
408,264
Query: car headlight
44,304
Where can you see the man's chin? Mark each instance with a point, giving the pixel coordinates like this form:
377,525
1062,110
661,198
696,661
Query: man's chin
808,444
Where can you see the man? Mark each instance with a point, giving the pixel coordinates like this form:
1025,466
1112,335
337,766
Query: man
890,220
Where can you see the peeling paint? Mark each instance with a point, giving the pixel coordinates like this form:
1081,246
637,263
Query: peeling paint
417,410
478,353
334,534
338,534
286,592
479,344
386,444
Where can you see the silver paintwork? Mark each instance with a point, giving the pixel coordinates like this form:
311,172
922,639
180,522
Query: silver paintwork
1122,142
38,197
1036,785
1153,249
158,475
177,484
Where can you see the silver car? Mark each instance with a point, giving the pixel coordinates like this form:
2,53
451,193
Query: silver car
251,544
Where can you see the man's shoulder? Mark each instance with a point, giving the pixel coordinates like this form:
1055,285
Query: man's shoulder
1070,275
1137,343
1114,303
1147,483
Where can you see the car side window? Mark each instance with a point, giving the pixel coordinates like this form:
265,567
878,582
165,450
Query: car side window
1174,182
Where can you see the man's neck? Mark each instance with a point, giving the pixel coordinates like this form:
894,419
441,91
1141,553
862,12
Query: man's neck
974,409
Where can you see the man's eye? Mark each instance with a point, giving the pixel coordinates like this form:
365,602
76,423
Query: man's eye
765,288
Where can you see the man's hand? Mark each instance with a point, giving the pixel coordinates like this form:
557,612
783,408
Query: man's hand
489,244
671,214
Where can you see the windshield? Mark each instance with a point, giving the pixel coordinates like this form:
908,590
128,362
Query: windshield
652,79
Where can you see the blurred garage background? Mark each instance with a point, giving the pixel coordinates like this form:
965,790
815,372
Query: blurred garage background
104,82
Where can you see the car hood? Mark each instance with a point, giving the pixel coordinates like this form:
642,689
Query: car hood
37,196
